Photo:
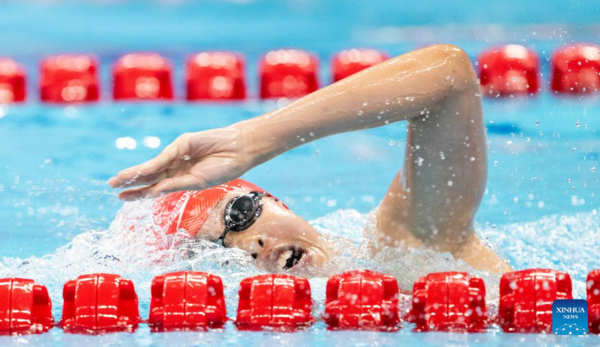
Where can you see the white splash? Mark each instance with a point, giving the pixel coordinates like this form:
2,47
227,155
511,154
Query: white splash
131,248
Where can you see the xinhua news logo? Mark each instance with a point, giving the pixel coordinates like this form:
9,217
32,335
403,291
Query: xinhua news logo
570,317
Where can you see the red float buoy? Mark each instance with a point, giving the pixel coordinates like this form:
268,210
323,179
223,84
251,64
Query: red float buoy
69,78
288,73
25,307
362,299
593,299
216,76
142,76
526,299
576,68
99,303
12,82
449,301
509,70
349,62
187,301
280,302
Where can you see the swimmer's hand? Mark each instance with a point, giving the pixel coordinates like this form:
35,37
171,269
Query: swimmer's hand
194,161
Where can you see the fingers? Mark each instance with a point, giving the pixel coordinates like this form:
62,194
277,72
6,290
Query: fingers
135,194
148,172
175,184
166,186
147,180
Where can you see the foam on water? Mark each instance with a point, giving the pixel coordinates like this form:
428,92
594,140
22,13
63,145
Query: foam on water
132,247
569,242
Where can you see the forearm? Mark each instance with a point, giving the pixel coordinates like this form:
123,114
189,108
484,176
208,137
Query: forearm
401,88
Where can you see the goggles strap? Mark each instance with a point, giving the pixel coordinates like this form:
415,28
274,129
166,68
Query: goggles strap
221,239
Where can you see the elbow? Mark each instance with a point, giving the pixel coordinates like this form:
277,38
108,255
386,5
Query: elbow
458,69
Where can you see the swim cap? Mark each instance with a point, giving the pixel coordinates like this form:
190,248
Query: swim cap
189,209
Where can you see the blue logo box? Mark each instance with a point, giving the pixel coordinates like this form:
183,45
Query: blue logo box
570,317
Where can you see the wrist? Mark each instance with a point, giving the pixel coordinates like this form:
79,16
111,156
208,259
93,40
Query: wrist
259,142
272,134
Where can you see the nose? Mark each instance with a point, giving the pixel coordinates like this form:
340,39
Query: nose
253,244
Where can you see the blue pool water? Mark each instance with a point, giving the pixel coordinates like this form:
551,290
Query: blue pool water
57,216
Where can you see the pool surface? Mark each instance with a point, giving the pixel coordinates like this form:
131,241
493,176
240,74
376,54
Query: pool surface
57,215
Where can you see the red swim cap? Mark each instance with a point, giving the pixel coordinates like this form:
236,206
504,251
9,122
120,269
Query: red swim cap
189,209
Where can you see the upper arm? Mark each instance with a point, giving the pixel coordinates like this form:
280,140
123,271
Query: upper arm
445,169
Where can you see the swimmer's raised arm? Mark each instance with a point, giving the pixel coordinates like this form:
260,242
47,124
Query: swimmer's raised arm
401,88
408,86
436,89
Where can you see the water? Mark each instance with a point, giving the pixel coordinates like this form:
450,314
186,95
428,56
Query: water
58,218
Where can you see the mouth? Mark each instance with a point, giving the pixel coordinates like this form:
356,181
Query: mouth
291,257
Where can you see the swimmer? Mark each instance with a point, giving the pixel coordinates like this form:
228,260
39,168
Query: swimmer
431,204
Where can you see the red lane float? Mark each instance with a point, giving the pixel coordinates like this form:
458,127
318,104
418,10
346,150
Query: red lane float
593,299
99,303
12,82
449,301
526,299
25,307
144,76
288,73
69,78
509,70
280,302
362,299
349,62
576,68
216,76
187,301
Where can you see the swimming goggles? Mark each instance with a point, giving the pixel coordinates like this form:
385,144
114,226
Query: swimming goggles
241,212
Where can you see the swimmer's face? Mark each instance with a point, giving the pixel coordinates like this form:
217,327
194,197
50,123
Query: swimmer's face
279,240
